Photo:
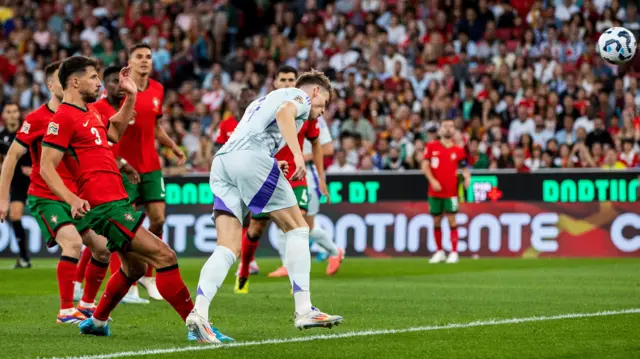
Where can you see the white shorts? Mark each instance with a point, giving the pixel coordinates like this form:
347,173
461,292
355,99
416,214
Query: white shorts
244,181
314,193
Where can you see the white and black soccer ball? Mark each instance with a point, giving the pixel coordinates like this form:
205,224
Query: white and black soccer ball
617,45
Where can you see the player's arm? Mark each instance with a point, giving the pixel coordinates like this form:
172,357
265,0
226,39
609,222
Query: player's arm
16,150
318,160
426,169
49,161
466,174
286,119
166,141
120,121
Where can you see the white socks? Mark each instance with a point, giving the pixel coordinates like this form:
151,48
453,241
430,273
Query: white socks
211,277
282,245
321,237
298,263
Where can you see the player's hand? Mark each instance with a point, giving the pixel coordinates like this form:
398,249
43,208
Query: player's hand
4,209
79,207
26,170
301,169
322,186
132,174
126,81
435,185
182,158
284,167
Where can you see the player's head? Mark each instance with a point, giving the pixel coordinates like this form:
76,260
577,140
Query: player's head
80,74
111,78
51,77
11,115
447,129
285,77
245,98
318,88
140,58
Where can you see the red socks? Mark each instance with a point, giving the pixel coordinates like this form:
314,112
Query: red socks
117,287
149,272
247,254
173,290
437,233
115,264
66,272
454,239
82,265
94,276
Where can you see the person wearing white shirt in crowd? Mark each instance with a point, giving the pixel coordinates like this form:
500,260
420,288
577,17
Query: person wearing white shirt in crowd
340,164
521,125
344,58
542,134
390,59
419,81
396,31
565,10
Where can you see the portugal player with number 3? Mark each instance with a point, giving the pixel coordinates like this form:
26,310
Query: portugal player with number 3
440,166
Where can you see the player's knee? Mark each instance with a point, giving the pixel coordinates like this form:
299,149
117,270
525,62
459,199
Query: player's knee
166,257
15,216
257,227
71,247
135,269
156,224
101,254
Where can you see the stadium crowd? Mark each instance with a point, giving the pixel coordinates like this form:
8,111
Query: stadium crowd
521,78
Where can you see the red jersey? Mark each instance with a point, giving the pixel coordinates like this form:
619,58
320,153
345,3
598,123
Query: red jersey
225,130
30,135
106,111
444,167
138,144
82,136
310,131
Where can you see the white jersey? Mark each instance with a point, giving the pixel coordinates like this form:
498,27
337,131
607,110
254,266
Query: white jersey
324,138
258,130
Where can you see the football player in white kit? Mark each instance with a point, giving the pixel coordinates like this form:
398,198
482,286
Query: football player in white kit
245,176
316,234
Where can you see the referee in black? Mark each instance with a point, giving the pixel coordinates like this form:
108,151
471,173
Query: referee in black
20,182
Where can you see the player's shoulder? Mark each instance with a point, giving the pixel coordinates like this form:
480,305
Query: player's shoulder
42,112
155,86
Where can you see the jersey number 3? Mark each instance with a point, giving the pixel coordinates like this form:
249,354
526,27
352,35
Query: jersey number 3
95,132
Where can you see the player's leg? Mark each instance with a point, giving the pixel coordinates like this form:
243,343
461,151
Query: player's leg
85,257
249,244
133,296
133,268
322,238
451,208
16,210
95,271
298,263
436,208
152,194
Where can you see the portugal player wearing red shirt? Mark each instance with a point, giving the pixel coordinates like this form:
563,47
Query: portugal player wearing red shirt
53,215
440,166
77,137
137,148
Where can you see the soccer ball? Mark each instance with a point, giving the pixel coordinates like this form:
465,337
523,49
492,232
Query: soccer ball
617,45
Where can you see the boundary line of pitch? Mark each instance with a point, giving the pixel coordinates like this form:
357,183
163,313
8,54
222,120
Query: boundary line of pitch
479,323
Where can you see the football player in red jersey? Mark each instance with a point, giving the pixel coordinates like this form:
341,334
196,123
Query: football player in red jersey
52,214
77,136
440,166
137,148
107,107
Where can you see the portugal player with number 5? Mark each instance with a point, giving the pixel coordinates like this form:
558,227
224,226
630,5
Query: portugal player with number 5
440,166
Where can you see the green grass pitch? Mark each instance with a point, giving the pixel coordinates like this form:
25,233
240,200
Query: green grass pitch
371,294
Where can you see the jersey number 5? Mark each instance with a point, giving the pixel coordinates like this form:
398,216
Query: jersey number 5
95,132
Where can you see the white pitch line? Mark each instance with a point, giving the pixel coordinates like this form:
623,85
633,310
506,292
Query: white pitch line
481,323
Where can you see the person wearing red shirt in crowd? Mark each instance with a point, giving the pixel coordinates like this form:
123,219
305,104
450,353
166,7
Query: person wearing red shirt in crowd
440,166
137,148
628,155
77,137
519,155
395,83
54,216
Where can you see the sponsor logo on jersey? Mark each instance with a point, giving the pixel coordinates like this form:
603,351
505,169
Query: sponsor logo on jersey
156,104
25,128
54,219
52,129
298,99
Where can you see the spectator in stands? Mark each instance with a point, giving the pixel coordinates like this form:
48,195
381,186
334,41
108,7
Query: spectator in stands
357,124
340,164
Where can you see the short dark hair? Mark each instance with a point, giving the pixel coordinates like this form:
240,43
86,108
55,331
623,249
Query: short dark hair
110,71
74,65
51,69
287,70
314,77
138,46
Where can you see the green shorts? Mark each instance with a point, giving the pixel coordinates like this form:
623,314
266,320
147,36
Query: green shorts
117,221
438,206
150,188
302,196
52,215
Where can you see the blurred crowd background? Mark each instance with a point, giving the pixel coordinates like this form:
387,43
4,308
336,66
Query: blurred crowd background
521,78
